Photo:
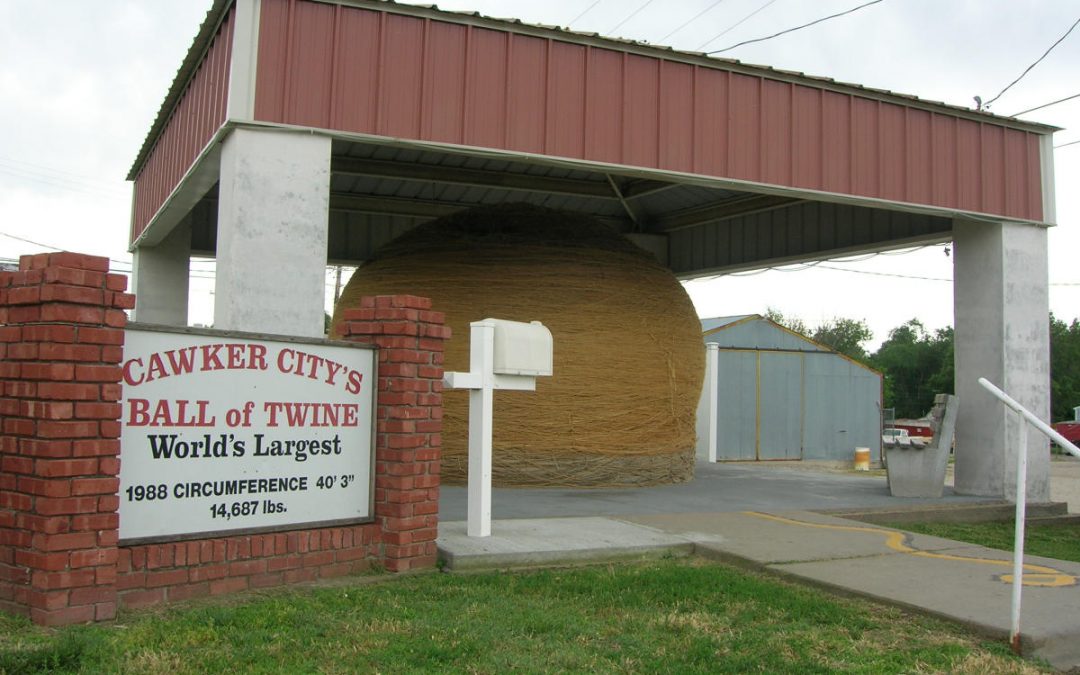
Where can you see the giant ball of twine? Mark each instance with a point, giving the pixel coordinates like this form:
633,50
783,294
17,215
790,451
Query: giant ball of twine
629,359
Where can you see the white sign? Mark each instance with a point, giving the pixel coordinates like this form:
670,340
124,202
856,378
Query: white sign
226,432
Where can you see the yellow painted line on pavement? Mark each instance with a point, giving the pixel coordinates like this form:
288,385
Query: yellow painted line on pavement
1034,575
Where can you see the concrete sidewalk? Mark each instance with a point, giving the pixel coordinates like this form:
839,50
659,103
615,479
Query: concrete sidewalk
953,580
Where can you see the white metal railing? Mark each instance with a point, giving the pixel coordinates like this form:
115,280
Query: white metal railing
1026,418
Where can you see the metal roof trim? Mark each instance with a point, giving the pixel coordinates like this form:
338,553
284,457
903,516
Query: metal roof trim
216,14
630,170
433,11
194,58
733,320
823,347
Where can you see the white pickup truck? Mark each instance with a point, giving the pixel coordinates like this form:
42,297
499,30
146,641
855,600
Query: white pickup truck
900,437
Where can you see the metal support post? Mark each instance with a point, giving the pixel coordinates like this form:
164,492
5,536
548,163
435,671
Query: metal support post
712,362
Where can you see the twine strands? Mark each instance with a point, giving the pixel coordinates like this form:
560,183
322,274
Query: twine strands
629,360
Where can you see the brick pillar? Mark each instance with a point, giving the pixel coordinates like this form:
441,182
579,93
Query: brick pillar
408,442
61,343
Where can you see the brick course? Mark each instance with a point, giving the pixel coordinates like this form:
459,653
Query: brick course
61,335
62,512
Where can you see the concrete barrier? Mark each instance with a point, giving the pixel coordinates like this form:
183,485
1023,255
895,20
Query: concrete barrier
920,472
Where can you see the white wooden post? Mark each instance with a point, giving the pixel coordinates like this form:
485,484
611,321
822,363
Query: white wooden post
532,354
481,410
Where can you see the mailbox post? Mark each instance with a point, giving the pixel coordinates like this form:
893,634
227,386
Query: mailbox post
502,355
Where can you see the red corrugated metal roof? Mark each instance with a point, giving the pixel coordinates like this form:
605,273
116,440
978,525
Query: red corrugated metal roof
209,28
600,101
385,69
184,132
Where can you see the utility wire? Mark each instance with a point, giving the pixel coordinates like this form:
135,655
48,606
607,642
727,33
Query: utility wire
792,30
734,25
41,168
28,241
587,10
1028,69
1045,105
632,15
884,274
690,20
1065,145
62,183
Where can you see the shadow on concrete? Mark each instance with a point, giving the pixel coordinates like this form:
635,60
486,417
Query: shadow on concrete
716,488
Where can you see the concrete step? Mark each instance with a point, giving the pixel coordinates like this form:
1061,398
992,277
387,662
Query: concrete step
1067,519
550,542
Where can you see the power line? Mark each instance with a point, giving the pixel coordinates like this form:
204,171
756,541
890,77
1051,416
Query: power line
39,168
62,183
690,20
1028,69
1046,105
28,241
587,10
792,30
884,274
735,25
632,15
1065,145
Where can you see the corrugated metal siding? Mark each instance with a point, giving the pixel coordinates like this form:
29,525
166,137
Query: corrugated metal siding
781,396
841,409
780,409
801,231
198,114
736,411
368,71
760,334
792,405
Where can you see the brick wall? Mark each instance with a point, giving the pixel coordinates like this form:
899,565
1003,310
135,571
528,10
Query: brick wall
61,339
409,420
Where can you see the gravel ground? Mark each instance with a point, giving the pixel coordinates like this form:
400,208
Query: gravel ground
1064,481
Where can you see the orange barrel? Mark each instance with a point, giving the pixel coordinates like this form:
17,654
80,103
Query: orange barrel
862,459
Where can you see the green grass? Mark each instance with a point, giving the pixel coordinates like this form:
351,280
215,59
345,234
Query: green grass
670,616
1051,541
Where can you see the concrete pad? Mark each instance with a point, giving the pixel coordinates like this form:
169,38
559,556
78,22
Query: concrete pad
554,541
755,486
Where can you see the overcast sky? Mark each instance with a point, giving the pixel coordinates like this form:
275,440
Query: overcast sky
81,82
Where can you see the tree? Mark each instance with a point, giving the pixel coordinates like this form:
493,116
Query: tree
845,336
842,335
916,365
791,323
1064,368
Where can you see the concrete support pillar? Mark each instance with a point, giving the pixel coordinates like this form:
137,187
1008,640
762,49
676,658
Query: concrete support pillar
273,207
160,278
1001,307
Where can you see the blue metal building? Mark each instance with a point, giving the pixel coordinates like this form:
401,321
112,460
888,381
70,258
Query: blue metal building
781,395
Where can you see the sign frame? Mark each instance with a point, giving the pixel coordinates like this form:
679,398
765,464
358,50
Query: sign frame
269,337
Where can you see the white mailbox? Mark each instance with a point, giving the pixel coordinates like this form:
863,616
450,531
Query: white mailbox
506,355
522,348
